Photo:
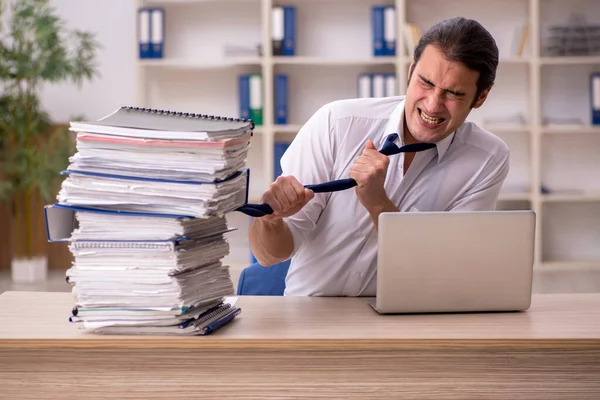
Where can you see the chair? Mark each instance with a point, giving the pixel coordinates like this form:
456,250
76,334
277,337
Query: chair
258,280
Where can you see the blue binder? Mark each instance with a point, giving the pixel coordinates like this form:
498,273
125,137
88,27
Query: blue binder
278,151
389,30
244,95
157,32
595,97
144,32
281,99
289,31
377,24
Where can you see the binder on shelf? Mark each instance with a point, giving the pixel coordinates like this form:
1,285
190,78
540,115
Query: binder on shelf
389,30
281,99
278,151
244,96
277,30
144,33
378,87
289,31
391,85
157,32
364,85
256,99
378,34
595,97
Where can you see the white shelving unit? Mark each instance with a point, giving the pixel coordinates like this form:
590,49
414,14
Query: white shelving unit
334,46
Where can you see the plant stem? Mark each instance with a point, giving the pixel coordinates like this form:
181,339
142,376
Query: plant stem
27,214
17,221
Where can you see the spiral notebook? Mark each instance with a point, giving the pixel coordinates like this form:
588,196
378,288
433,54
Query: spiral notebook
153,123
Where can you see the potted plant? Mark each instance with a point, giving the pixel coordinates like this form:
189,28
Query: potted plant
35,48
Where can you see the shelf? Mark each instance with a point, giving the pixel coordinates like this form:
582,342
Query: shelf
503,60
583,60
334,46
571,129
514,60
567,198
506,128
287,128
305,60
167,2
569,265
200,64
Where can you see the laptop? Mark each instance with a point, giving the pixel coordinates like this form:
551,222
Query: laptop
467,261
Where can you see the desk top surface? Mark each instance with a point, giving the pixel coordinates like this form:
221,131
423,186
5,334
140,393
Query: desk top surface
40,320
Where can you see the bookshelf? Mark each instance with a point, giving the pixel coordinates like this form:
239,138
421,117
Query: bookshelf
334,46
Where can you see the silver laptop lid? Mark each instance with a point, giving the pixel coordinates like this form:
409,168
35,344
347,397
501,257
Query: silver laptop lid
455,261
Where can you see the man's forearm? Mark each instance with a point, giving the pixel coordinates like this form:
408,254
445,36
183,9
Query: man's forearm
385,205
271,241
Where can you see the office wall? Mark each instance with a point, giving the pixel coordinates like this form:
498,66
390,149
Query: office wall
112,21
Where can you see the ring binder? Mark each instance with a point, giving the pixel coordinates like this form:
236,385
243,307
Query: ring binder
188,114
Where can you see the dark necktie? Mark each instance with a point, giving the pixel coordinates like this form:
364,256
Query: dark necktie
389,148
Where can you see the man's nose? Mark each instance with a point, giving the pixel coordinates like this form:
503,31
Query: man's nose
434,101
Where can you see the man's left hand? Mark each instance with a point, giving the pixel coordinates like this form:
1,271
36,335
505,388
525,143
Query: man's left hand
369,171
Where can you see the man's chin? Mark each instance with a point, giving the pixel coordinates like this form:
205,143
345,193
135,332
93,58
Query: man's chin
429,136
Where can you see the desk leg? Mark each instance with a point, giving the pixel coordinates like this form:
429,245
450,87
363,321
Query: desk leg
290,374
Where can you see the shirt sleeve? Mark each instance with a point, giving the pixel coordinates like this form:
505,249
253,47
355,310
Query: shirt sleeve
310,159
483,196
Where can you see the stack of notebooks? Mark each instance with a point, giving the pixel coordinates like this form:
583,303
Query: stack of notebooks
149,191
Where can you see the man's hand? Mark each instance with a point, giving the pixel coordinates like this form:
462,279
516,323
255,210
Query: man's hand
369,172
286,196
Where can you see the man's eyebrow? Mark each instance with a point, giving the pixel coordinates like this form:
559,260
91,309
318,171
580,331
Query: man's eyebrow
454,92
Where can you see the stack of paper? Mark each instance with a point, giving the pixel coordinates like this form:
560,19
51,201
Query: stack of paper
157,162
150,190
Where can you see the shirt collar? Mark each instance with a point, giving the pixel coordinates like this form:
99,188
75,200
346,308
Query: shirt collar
396,125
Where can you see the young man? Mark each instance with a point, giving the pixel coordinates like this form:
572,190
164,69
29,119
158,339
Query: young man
332,237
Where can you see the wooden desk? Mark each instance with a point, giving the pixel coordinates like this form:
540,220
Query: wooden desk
287,348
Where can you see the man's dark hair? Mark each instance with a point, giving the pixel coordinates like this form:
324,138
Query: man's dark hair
466,41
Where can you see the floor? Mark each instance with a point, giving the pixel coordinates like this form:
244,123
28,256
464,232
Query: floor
546,281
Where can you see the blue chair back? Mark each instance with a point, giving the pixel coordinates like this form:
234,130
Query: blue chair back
258,280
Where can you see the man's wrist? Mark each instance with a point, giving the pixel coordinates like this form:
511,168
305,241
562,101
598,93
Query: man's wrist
270,221
380,206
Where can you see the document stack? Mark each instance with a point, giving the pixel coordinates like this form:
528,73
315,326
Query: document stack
149,191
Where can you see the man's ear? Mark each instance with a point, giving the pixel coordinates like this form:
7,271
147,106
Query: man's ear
482,97
409,70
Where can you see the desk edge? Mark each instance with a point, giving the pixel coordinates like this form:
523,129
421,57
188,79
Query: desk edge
300,344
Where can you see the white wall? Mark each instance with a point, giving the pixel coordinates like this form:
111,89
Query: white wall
113,21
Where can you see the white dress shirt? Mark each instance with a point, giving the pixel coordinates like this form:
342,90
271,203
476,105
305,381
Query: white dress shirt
335,241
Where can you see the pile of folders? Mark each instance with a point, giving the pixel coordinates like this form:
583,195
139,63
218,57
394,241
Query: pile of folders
148,192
